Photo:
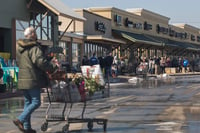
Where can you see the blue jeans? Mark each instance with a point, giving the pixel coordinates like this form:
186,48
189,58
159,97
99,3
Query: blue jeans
32,101
108,71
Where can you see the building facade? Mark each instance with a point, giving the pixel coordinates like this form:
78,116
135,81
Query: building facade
150,34
131,32
96,36
41,14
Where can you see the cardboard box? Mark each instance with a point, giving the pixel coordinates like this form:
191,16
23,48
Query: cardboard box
167,70
173,70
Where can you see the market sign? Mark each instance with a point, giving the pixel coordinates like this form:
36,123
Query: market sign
192,37
161,29
171,32
137,25
198,38
128,23
100,26
147,26
131,24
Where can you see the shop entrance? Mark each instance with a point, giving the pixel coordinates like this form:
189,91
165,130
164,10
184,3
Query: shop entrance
1,43
5,40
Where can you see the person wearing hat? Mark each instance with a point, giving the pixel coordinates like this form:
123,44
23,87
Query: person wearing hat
32,76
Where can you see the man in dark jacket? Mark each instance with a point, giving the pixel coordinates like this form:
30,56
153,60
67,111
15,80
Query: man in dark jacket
108,60
85,60
94,60
32,76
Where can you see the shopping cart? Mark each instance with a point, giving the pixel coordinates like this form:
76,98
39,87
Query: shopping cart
141,70
61,90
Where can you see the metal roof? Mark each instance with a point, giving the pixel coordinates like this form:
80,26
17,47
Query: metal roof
60,9
103,39
140,38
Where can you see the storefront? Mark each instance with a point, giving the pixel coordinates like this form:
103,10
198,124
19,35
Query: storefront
150,34
95,35
41,14
72,45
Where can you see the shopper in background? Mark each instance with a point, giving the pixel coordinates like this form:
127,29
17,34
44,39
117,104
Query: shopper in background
185,64
94,60
180,62
32,76
85,60
108,65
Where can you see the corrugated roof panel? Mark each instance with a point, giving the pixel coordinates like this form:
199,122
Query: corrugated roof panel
138,38
59,8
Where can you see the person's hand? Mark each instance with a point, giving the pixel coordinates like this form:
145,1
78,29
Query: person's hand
55,61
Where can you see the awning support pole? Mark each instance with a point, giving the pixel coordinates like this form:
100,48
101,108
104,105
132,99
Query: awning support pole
21,24
39,24
42,19
65,30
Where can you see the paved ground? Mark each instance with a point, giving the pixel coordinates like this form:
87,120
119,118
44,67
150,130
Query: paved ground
169,105
11,104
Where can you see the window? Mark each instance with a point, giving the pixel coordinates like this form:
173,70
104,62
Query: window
65,46
118,19
76,56
20,27
43,25
147,26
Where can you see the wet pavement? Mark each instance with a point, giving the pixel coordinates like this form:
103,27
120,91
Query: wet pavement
168,104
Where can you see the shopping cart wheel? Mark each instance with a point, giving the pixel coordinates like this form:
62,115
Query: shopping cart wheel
44,126
65,128
90,125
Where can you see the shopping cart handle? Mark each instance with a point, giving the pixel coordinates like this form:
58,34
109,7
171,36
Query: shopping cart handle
58,75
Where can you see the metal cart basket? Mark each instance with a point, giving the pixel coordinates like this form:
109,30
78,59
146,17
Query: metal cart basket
142,70
62,91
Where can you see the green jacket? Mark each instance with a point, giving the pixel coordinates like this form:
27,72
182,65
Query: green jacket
32,65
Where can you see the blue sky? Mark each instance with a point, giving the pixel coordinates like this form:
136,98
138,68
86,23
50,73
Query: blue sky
179,11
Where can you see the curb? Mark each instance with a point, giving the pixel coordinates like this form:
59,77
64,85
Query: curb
119,79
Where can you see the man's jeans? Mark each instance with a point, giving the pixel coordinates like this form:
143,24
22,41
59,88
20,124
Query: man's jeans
108,71
32,101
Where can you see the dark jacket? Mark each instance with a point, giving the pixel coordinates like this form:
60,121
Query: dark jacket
93,61
32,65
85,61
108,61
101,62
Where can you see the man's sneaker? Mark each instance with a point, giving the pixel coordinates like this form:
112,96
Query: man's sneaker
29,131
19,125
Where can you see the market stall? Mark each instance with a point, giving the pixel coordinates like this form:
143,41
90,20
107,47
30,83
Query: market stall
10,74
